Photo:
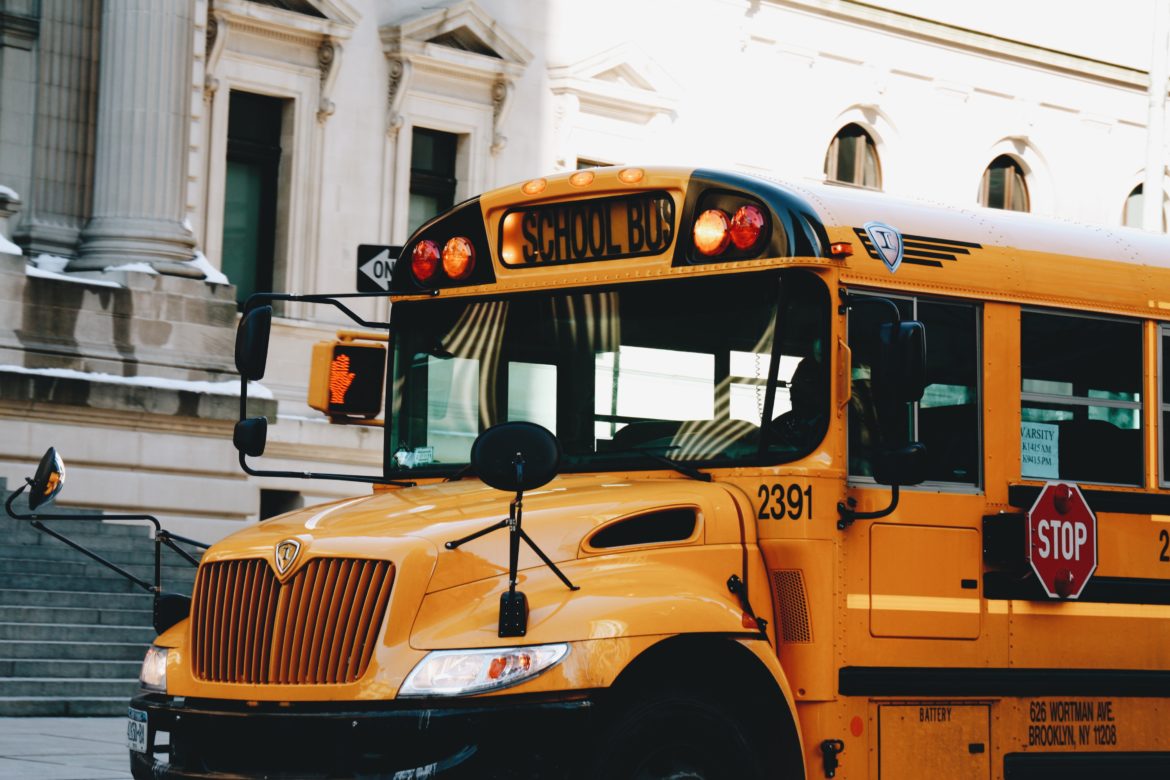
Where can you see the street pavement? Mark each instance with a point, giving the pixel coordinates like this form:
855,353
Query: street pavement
63,749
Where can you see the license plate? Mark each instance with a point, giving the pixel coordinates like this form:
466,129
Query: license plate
136,730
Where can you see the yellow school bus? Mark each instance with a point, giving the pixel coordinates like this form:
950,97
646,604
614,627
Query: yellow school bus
690,473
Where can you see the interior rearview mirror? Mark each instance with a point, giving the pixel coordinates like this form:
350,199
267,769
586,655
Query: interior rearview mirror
252,342
901,466
48,480
250,436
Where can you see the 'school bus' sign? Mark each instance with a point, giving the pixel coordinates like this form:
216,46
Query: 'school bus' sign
586,230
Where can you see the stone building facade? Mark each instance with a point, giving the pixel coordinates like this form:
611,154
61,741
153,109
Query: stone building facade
160,158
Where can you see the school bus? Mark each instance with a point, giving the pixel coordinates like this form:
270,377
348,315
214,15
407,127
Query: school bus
790,480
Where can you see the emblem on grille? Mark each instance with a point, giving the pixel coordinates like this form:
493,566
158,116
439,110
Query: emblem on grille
888,243
286,554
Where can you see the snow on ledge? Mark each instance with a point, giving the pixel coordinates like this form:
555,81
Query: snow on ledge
142,268
32,270
211,274
230,387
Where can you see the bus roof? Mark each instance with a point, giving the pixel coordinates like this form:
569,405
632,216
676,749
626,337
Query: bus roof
977,253
846,206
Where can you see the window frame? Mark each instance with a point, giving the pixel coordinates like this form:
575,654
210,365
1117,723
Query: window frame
266,157
985,185
398,399
431,182
977,486
1087,401
864,141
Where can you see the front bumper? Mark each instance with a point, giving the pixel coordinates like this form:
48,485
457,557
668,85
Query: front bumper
499,736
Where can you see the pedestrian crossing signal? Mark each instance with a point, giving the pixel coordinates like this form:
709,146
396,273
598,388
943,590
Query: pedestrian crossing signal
347,377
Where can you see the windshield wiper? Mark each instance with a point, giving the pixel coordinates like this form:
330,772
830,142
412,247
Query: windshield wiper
461,473
681,468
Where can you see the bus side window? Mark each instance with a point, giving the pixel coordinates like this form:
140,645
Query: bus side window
947,419
1081,398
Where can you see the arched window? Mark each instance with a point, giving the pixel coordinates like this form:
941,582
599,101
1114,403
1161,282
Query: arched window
1003,185
1134,205
852,158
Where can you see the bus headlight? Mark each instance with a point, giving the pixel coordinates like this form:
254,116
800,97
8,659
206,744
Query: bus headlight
460,672
154,670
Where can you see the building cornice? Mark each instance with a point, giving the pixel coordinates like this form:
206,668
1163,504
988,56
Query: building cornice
907,25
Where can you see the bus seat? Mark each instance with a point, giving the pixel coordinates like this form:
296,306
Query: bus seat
1099,451
950,434
643,432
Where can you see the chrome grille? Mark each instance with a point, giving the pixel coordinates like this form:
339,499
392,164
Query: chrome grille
319,627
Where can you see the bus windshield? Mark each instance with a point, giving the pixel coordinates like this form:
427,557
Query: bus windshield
679,368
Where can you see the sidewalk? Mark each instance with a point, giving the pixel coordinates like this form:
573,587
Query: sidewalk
63,749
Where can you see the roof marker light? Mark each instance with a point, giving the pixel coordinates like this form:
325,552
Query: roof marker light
841,249
746,227
631,175
711,232
581,178
424,261
458,258
534,187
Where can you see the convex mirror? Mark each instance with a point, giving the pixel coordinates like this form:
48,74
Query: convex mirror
48,480
516,456
252,342
250,436
901,371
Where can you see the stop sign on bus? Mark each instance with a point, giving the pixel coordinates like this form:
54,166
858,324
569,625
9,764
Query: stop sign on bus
1062,540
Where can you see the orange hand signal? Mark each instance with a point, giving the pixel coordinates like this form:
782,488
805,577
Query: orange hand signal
340,378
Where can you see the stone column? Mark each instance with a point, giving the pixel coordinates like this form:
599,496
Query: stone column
142,130
62,142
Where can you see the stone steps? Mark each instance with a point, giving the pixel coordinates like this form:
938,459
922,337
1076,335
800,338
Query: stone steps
12,568
56,632
56,707
71,650
68,687
20,597
75,615
72,632
120,550
63,668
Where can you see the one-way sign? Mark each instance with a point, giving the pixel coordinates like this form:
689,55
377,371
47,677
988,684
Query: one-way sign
375,265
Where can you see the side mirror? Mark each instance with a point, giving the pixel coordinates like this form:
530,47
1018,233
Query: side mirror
902,466
516,456
901,373
250,436
48,480
252,342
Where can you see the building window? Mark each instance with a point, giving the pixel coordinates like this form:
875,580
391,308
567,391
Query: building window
277,502
1134,205
432,175
583,163
1082,398
251,191
1003,186
947,419
852,159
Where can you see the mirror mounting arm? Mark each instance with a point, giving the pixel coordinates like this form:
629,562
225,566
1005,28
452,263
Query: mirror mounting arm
849,514
849,301
314,475
37,517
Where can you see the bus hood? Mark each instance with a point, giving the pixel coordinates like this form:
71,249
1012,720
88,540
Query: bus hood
558,517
